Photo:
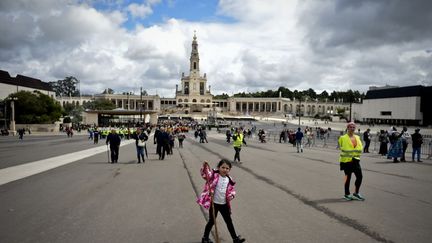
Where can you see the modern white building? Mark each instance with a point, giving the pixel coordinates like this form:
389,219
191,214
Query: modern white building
396,105
10,85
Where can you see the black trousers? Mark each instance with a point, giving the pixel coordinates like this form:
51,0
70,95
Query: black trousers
237,153
349,168
114,152
404,148
226,214
366,147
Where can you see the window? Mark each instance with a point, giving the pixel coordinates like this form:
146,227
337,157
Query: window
186,88
201,88
386,113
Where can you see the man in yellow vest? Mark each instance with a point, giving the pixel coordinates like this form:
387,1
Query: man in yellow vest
238,141
351,148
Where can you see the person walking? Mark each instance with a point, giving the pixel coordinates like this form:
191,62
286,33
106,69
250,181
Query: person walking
113,139
140,142
238,141
383,139
417,141
351,147
181,137
21,132
218,192
299,137
228,135
367,140
162,143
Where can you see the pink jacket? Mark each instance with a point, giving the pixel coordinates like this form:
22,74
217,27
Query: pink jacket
212,177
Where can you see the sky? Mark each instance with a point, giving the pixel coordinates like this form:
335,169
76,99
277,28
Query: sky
244,45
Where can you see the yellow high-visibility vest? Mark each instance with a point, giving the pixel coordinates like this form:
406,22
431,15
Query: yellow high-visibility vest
348,151
239,140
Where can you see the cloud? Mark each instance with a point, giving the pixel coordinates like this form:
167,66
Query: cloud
139,10
323,45
366,23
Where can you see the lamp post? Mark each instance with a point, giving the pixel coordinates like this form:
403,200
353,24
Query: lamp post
5,114
141,103
13,99
299,111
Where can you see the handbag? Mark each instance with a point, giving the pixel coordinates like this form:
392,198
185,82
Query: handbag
141,143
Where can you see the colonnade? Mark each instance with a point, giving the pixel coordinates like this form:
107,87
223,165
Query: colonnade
133,104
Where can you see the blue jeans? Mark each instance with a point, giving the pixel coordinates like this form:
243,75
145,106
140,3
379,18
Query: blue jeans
140,151
417,151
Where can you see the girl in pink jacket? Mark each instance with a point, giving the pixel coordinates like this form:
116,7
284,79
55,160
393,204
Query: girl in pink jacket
219,187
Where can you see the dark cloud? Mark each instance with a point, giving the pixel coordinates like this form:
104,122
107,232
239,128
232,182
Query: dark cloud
365,23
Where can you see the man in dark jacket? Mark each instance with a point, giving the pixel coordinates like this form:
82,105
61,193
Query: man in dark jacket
113,139
162,143
417,141
367,140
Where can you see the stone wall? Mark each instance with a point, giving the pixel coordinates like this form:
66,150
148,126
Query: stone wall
39,127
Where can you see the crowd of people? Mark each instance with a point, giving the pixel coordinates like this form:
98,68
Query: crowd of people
394,144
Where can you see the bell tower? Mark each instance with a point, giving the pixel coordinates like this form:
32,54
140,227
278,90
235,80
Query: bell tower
194,93
194,58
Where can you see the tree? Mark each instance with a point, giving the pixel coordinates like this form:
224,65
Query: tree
286,93
222,96
108,91
310,93
323,96
35,107
99,105
66,87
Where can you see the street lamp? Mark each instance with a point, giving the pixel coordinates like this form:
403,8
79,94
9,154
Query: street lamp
299,110
141,103
13,99
5,114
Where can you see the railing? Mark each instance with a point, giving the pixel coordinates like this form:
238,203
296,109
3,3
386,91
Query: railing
329,140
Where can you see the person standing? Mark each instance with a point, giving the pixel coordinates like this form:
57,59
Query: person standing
367,140
383,139
113,139
299,137
140,142
417,141
351,147
238,141
218,192
96,136
405,136
395,150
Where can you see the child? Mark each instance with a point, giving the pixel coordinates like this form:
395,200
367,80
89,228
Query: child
217,194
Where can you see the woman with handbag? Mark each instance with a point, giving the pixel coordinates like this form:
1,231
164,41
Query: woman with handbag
140,141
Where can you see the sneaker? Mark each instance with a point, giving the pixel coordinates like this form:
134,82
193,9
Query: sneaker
419,161
358,196
239,239
206,240
348,197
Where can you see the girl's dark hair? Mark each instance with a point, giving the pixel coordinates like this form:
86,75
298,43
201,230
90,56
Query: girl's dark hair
224,161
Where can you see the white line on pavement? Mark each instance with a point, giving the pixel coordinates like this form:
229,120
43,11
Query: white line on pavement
21,171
